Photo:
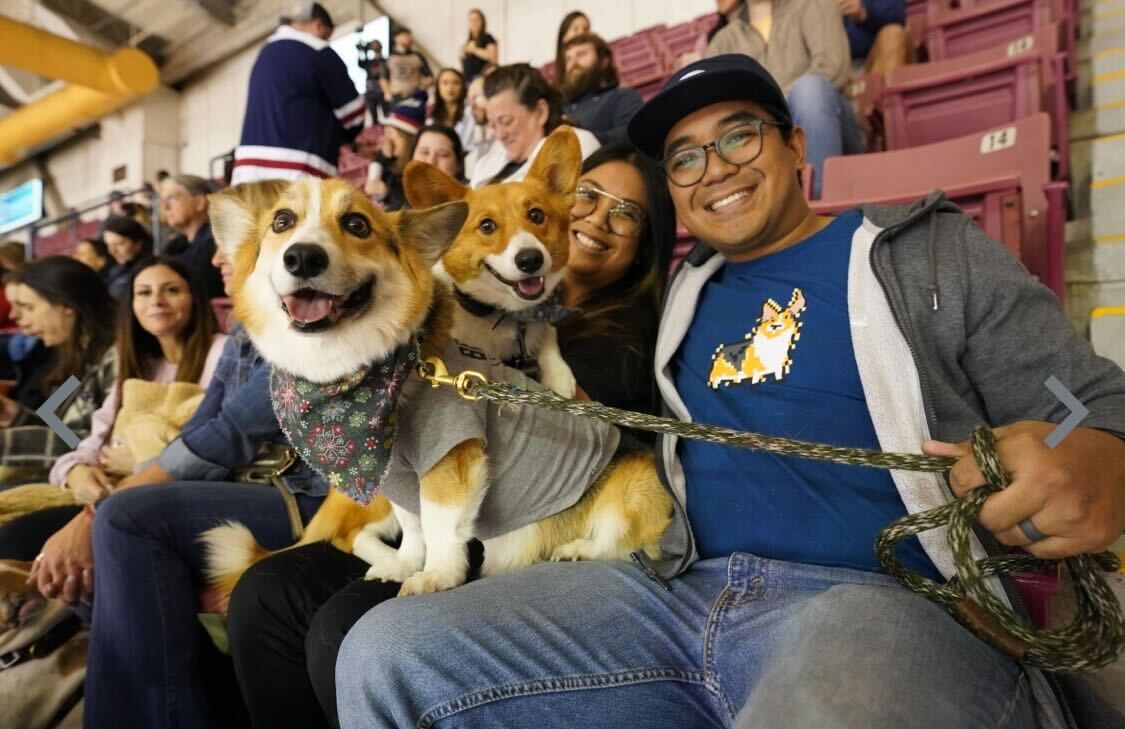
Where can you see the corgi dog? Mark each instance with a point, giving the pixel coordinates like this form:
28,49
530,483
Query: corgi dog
506,264
327,286
766,349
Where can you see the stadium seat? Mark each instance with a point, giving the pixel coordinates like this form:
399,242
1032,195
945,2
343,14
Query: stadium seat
1001,177
982,25
931,102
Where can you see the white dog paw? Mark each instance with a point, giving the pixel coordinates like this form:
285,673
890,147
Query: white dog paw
579,549
561,381
427,581
390,571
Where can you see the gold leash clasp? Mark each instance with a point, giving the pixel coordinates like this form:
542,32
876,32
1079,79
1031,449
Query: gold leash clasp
434,371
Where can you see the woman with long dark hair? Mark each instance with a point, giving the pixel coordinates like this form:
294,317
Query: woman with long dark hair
479,50
165,333
621,233
66,305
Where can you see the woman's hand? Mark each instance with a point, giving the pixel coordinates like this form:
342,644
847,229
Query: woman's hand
65,567
88,483
117,458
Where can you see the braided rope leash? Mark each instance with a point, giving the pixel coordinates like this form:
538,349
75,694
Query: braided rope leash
1093,640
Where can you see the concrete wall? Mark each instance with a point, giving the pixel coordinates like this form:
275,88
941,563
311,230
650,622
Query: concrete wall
526,29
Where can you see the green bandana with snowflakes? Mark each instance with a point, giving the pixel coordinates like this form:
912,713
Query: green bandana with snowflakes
345,430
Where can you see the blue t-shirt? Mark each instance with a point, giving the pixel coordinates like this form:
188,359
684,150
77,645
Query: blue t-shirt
770,351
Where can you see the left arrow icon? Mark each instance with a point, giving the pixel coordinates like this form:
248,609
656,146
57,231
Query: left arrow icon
47,411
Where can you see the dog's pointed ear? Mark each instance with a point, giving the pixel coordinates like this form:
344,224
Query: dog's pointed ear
426,186
234,212
559,161
431,231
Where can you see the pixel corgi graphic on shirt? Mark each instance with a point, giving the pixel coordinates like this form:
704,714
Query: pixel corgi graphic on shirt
766,349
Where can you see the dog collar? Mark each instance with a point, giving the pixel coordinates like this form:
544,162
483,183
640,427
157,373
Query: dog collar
345,430
549,311
59,633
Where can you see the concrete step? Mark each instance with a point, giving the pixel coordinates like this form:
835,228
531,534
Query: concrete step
1082,298
1107,332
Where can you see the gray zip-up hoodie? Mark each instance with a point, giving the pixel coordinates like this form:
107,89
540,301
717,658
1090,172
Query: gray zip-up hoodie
950,332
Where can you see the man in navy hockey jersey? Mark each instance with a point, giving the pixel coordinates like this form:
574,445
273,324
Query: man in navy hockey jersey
302,104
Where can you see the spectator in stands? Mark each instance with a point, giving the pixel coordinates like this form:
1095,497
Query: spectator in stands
145,641
591,90
406,74
130,244
771,593
441,147
806,50
726,10
165,334
372,62
479,49
95,254
574,24
66,306
478,136
183,203
400,135
522,110
448,109
624,223
13,255
877,32
302,104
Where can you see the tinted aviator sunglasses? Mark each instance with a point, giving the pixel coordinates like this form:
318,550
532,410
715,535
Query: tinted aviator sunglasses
623,218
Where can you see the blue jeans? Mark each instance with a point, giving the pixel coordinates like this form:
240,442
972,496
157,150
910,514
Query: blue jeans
830,125
744,642
150,663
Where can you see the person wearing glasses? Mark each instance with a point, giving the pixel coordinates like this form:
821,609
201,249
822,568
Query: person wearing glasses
300,603
882,328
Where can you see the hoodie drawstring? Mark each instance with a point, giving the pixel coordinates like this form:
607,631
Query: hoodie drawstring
933,257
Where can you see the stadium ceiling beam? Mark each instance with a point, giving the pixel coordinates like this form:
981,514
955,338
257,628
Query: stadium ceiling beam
221,10
110,29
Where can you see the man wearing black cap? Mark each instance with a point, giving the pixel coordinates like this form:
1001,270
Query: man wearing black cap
882,329
302,104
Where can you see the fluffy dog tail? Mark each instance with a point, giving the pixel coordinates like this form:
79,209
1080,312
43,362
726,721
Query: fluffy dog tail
231,548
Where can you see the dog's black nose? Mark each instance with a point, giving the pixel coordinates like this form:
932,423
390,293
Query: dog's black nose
305,260
529,260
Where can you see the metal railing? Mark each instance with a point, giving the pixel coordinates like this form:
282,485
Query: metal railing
73,216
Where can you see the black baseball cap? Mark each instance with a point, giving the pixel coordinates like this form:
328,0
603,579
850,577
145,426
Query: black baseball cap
729,77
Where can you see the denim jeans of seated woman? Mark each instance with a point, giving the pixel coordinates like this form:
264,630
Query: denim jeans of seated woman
739,642
151,664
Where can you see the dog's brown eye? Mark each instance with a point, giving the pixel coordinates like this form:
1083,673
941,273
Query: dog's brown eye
283,220
487,226
357,225
536,216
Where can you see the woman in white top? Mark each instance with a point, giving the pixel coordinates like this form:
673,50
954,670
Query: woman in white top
165,333
522,110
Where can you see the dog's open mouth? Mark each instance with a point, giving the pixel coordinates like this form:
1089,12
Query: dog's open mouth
528,289
313,311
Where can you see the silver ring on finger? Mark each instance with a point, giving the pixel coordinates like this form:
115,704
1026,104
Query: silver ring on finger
1032,532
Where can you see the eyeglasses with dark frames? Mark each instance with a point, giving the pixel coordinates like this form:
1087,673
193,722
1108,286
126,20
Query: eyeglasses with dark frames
623,218
739,146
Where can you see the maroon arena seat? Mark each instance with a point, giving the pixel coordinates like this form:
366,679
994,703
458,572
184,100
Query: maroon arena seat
931,102
1001,177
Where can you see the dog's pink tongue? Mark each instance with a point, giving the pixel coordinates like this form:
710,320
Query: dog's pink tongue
308,307
531,286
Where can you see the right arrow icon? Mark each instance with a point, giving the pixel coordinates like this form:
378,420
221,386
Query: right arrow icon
1078,412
